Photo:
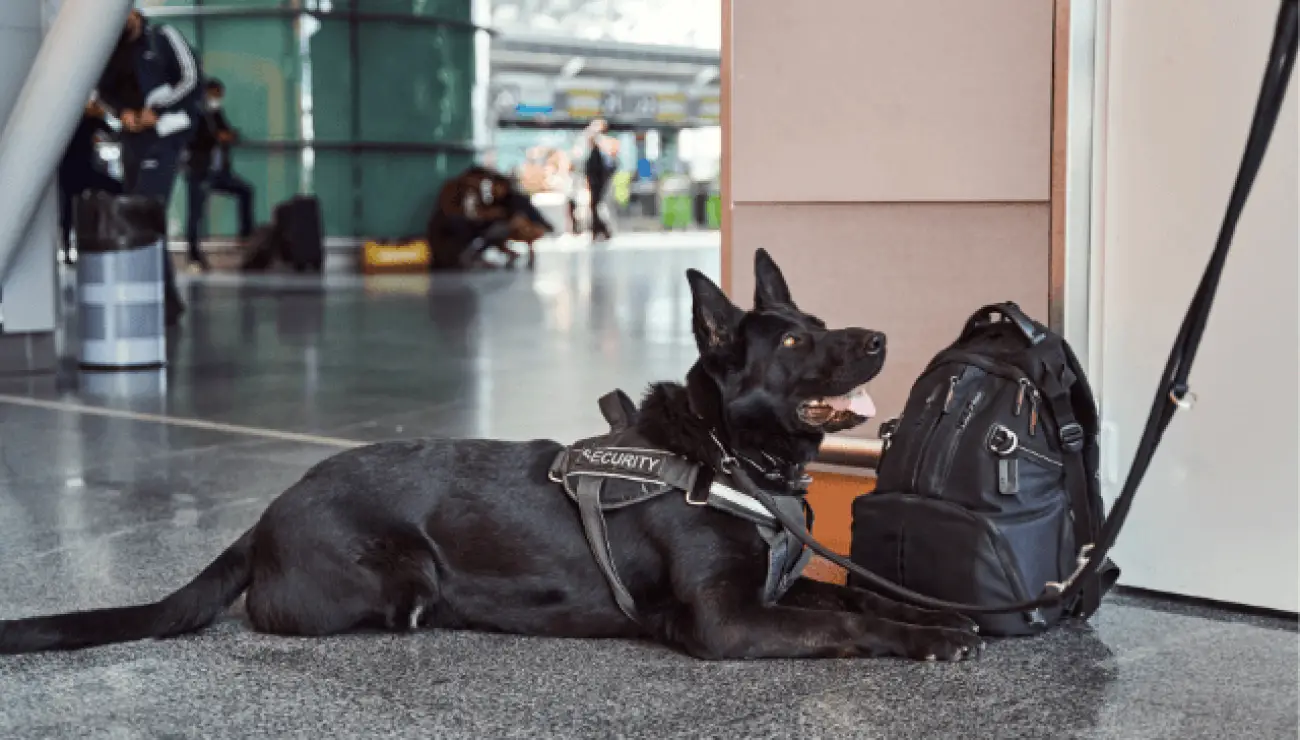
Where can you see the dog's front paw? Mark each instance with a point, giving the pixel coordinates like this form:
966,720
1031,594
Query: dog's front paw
937,643
952,621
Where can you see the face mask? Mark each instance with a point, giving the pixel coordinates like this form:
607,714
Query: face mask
214,104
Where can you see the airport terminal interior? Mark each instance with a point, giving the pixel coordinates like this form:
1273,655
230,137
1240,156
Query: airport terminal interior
275,231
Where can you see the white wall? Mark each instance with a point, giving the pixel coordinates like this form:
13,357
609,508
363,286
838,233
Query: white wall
1217,517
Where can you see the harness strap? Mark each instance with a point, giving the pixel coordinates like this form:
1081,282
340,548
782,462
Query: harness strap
593,524
618,410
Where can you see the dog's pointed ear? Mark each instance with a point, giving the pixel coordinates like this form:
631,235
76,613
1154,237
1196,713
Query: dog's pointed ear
770,289
714,318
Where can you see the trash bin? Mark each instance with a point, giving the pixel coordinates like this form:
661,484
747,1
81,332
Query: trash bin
120,247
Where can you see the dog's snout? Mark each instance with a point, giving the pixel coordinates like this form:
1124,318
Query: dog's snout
875,342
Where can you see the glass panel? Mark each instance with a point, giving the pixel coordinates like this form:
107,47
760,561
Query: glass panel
257,60
332,184
400,188
415,83
330,54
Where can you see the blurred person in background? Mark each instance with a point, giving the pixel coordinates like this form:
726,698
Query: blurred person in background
80,169
599,169
560,179
208,171
151,82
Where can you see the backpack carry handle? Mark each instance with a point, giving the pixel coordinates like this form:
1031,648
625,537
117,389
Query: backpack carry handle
1007,312
1173,381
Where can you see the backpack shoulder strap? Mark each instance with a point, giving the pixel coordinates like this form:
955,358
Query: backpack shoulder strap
1061,378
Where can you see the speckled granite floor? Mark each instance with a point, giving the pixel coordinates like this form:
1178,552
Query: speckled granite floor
99,510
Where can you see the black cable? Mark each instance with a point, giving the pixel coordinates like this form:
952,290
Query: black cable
1172,388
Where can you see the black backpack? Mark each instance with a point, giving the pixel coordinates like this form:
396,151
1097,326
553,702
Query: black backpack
987,489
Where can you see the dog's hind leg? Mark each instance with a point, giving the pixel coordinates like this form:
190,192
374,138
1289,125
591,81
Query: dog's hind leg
806,593
311,603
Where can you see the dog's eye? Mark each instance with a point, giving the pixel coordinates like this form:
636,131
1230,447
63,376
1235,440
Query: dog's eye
790,340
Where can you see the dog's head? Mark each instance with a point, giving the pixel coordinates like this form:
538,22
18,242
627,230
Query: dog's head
777,364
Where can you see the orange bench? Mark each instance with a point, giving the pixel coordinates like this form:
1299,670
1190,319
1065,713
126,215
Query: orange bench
831,497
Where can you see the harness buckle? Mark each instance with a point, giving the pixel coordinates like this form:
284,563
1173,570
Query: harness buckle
1071,437
699,496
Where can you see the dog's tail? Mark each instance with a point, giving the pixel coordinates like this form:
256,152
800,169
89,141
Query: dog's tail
191,608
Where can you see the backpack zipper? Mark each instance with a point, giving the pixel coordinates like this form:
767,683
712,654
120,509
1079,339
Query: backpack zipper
918,423
941,472
1020,395
1034,398
952,389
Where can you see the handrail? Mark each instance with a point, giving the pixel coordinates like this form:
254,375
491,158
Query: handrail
853,452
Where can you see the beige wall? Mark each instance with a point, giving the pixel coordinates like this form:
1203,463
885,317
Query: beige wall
894,156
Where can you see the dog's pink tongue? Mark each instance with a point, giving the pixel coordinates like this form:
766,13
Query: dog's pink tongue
862,405
857,401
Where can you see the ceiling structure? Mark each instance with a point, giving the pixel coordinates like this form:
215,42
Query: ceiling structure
634,62
695,24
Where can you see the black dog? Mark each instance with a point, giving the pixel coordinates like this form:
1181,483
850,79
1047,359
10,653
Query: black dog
473,535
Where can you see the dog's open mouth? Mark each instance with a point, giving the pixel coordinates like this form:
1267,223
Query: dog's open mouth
841,412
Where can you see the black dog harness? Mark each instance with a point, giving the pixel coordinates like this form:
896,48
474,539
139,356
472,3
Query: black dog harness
622,469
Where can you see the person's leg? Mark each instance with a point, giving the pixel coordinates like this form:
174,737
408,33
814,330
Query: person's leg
156,177
197,192
68,189
598,229
232,184
97,181
132,149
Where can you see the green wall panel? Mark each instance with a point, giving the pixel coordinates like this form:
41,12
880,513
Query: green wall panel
332,177
421,94
333,91
456,10
296,81
399,188
257,60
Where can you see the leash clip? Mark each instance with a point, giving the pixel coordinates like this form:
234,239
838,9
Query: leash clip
1080,563
1183,398
728,461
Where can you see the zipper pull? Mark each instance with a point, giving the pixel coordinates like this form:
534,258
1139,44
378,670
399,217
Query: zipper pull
952,388
1020,395
969,410
1033,412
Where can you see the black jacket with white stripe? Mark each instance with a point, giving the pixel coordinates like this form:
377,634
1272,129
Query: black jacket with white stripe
157,70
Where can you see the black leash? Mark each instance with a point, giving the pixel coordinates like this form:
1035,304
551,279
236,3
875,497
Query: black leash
1172,390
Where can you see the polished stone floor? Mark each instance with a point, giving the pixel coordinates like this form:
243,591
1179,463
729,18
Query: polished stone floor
102,502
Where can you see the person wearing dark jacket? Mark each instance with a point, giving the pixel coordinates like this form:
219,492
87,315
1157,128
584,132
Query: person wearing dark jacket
600,168
78,172
208,171
151,82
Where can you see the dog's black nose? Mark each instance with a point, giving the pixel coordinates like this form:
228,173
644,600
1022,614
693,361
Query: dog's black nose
875,342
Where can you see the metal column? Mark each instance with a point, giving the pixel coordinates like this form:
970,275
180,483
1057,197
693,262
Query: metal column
66,67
